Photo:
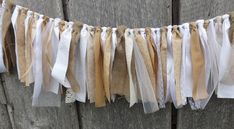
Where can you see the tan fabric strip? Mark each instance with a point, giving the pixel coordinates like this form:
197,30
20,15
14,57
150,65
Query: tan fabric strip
20,37
8,38
153,56
232,27
177,55
120,78
142,44
91,67
98,56
46,53
28,49
163,52
106,63
77,26
198,65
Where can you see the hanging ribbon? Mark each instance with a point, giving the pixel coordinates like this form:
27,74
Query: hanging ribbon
75,87
81,64
177,55
120,78
145,86
160,86
90,66
163,53
98,56
186,66
60,67
128,35
107,62
226,84
198,65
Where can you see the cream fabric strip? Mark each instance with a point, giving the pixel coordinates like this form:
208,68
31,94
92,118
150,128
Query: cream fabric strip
177,56
90,66
29,37
163,53
107,38
159,81
129,50
60,67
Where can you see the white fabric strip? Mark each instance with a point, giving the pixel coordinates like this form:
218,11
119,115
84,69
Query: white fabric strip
148,98
226,85
186,65
41,97
170,68
81,63
206,49
60,67
26,25
54,84
2,65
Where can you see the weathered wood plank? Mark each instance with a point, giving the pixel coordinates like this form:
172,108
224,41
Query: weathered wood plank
4,118
19,98
219,113
118,115
132,13
27,117
191,10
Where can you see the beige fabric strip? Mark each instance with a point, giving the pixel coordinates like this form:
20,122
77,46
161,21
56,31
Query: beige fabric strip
120,78
163,52
153,56
106,63
177,55
142,44
91,67
98,56
20,37
198,65
28,49
77,26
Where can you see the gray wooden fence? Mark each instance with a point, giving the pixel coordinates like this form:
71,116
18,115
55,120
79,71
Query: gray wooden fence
16,111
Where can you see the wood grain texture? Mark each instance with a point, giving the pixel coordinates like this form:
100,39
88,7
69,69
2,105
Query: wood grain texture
27,117
19,98
4,117
51,8
118,115
219,113
191,10
132,13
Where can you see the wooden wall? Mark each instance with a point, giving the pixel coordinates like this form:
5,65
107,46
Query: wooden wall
15,100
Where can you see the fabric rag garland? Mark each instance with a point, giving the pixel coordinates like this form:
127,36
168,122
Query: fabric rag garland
180,63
